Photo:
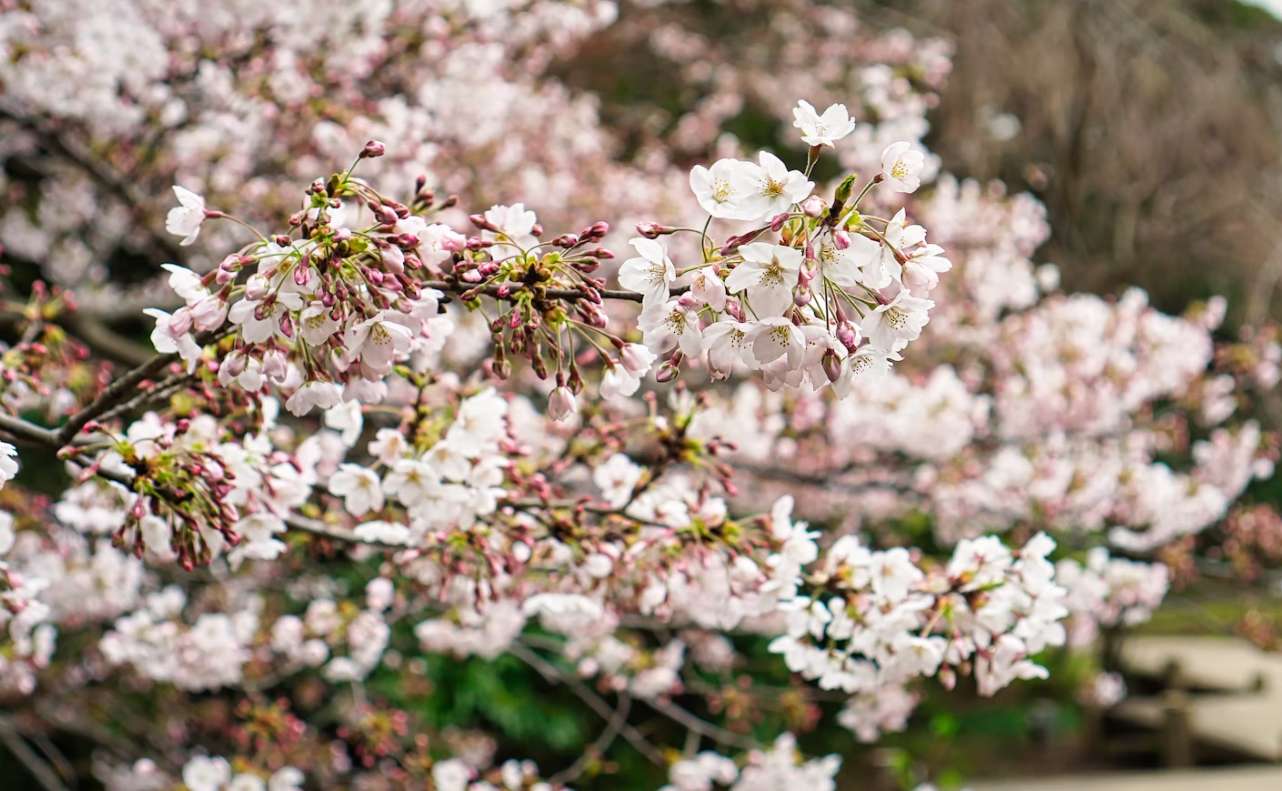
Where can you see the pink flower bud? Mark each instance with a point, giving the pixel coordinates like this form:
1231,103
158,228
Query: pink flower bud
373,149
653,230
813,206
636,359
831,365
848,335
561,403
918,278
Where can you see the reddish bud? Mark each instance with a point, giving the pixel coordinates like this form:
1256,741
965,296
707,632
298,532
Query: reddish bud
653,230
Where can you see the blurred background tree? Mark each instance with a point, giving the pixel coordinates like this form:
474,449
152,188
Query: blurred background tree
1151,131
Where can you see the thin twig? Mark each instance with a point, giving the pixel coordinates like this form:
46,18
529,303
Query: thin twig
163,389
598,746
37,766
122,388
700,726
594,701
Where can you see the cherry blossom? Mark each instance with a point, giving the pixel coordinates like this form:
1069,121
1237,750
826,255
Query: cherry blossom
822,129
186,218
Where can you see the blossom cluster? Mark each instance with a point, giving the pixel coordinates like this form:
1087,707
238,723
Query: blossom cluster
836,295
366,443
883,621
777,767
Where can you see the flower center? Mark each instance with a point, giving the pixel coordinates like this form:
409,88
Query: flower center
658,273
721,190
772,275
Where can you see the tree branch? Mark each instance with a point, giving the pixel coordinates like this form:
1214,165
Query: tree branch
39,769
594,701
598,747
700,726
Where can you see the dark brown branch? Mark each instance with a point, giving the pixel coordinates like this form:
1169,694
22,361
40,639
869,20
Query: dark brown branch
121,389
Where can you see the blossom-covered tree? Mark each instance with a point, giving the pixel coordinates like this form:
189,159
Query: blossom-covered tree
448,365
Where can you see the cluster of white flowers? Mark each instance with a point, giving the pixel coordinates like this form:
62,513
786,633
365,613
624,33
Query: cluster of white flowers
870,714
450,484
645,674
838,294
26,639
208,654
722,590
1109,591
470,631
95,581
455,774
886,621
315,638
202,773
254,487
766,770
